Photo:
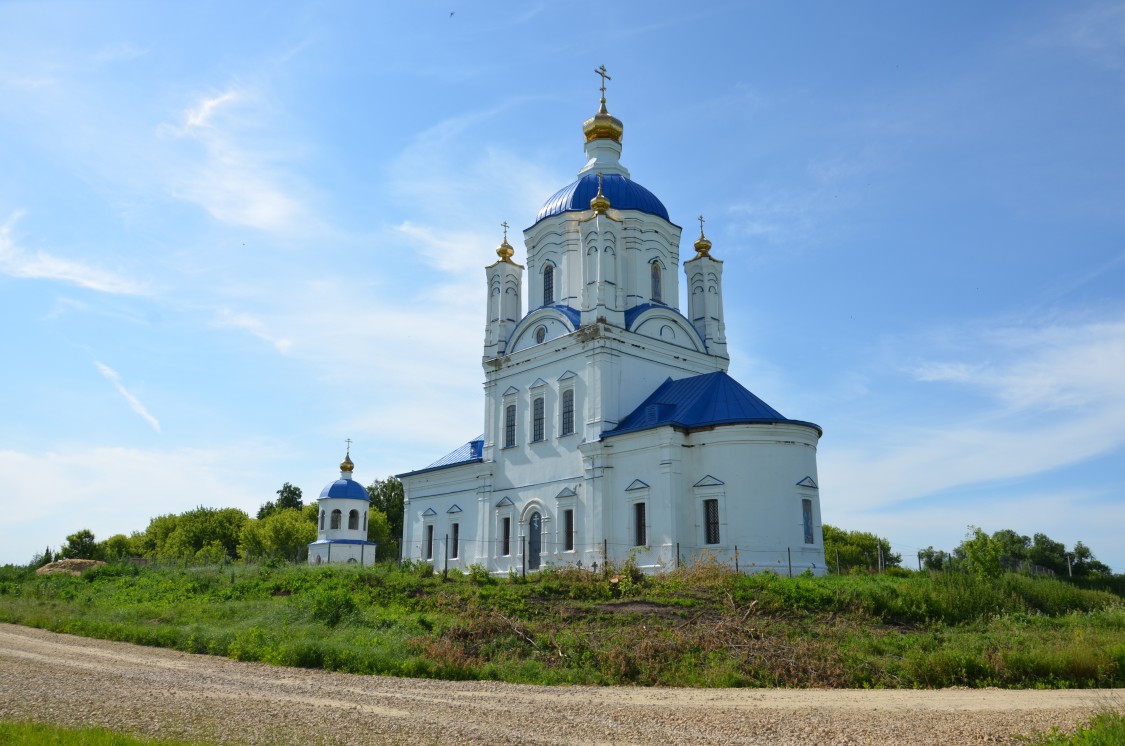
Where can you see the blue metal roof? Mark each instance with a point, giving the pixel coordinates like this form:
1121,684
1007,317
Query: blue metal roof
346,488
631,314
701,401
623,194
471,452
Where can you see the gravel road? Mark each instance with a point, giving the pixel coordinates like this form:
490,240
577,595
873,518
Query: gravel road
77,681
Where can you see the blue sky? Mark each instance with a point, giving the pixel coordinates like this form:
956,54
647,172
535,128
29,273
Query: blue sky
234,234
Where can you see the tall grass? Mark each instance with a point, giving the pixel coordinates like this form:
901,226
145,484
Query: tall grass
698,626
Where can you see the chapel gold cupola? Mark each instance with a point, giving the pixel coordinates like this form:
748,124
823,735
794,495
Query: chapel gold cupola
603,125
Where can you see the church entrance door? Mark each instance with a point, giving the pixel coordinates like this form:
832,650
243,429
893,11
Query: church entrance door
534,541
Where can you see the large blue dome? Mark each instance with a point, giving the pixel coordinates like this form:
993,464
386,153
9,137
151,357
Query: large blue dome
348,488
623,194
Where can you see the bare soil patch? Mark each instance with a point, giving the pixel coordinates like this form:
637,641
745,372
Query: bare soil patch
77,681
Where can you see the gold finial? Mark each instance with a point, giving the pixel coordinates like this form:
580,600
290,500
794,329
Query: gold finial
505,251
600,202
702,246
346,464
603,125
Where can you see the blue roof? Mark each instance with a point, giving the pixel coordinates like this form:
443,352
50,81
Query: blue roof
346,488
623,194
631,314
470,452
701,401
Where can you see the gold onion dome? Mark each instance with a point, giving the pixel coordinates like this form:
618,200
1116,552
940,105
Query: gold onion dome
600,202
603,125
703,245
505,251
346,464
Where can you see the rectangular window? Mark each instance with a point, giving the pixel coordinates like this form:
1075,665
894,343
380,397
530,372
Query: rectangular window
509,425
567,425
640,530
711,521
568,530
537,419
506,539
456,540
430,541
806,512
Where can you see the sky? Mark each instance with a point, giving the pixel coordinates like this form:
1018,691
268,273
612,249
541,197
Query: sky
233,235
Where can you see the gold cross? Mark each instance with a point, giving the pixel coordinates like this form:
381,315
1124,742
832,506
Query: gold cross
505,224
700,225
605,76
349,442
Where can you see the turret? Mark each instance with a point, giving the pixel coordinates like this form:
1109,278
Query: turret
505,299
704,274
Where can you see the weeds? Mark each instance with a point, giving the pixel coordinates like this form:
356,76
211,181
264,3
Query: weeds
703,625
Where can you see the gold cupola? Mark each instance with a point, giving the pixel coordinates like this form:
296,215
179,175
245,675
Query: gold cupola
600,202
703,245
603,125
505,250
346,465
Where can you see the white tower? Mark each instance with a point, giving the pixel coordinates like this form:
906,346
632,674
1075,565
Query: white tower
704,275
342,523
505,299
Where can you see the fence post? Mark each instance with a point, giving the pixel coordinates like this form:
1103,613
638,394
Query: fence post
736,558
919,562
445,572
838,562
523,556
677,555
789,551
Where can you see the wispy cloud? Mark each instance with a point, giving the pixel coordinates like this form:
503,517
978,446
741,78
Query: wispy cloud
1053,396
234,182
16,262
134,403
254,325
1096,33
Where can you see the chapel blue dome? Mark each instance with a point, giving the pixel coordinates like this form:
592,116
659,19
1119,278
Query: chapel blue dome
346,488
623,194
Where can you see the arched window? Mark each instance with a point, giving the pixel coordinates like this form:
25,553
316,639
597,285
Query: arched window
353,520
537,419
657,282
335,523
548,284
566,427
509,425
322,520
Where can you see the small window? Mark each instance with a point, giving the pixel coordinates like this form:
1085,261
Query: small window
548,285
509,425
336,515
640,530
540,335
456,540
322,520
430,541
568,530
353,520
566,427
711,521
657,282
506,539
537,419
806,513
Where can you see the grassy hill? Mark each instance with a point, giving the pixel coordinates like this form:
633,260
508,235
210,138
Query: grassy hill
700,626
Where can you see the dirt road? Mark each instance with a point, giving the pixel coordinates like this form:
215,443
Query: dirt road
76,681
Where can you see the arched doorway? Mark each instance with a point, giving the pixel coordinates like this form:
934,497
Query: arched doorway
534,540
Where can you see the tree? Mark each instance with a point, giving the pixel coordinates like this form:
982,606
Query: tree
857,549
379,531
981,553
46,558
1084,564
387,497
285,534
934,559
80,545
1014,548
288,498
181,537
115,547
1048,553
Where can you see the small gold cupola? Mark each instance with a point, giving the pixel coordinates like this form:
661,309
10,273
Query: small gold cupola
505,250
346,466
603,125
703,245
600,202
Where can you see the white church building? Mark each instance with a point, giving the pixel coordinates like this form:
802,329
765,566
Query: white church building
342,521
611,427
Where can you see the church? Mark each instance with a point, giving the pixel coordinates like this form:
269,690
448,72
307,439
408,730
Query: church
612,431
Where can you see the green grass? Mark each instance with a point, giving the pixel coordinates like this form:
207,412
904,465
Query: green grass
699,626
1107,729
36,734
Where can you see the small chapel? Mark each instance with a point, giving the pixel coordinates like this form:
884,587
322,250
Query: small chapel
342,521
612,430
